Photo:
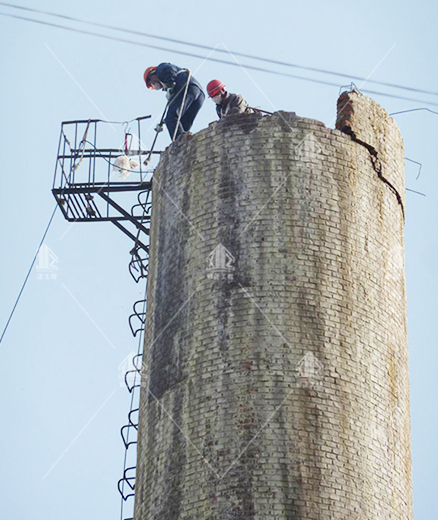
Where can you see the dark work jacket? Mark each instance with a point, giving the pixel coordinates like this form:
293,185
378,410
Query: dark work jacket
231,104
175,78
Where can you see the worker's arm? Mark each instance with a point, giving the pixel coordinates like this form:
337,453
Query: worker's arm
236,105
167,74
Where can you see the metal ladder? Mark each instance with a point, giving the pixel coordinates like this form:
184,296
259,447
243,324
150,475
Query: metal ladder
138,268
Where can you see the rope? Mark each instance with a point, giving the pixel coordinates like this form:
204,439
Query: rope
182,104
28,273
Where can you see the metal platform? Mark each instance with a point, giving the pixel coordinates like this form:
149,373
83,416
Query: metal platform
87,184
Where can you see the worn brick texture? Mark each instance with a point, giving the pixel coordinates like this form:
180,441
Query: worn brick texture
369,123
275,382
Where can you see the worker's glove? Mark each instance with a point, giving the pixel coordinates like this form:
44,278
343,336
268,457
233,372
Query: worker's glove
159,128
169,93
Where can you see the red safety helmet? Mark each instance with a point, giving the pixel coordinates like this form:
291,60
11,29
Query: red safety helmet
214,87
146,76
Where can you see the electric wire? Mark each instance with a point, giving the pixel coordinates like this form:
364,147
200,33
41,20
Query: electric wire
28,274
200,57
209,58
209,48
410,160
415,162
413,110
417,192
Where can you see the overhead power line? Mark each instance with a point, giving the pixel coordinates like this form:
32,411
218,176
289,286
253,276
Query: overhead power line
209,58
209,48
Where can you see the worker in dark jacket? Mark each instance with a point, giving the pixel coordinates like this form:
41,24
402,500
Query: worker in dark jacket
226,104
180,86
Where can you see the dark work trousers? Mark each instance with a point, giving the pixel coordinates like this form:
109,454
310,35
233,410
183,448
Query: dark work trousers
193,103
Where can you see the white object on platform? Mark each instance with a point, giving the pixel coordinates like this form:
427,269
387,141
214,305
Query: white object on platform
124,165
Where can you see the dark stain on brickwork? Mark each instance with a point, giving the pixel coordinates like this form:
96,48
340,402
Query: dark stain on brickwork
228,221
172,292
175,464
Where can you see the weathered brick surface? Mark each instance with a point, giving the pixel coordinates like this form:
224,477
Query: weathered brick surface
369,123
280,390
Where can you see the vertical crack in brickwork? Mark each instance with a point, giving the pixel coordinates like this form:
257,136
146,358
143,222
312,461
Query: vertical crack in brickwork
376,162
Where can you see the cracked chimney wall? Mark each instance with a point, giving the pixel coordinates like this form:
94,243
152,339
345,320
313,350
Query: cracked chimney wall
276,360
370,125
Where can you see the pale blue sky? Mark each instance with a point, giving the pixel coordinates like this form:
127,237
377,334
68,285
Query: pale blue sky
57,368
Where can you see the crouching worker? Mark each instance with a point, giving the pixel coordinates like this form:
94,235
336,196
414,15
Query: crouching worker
226,104
180,86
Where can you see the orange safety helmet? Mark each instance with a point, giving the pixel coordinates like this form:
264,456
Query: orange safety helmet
147,74
214,87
